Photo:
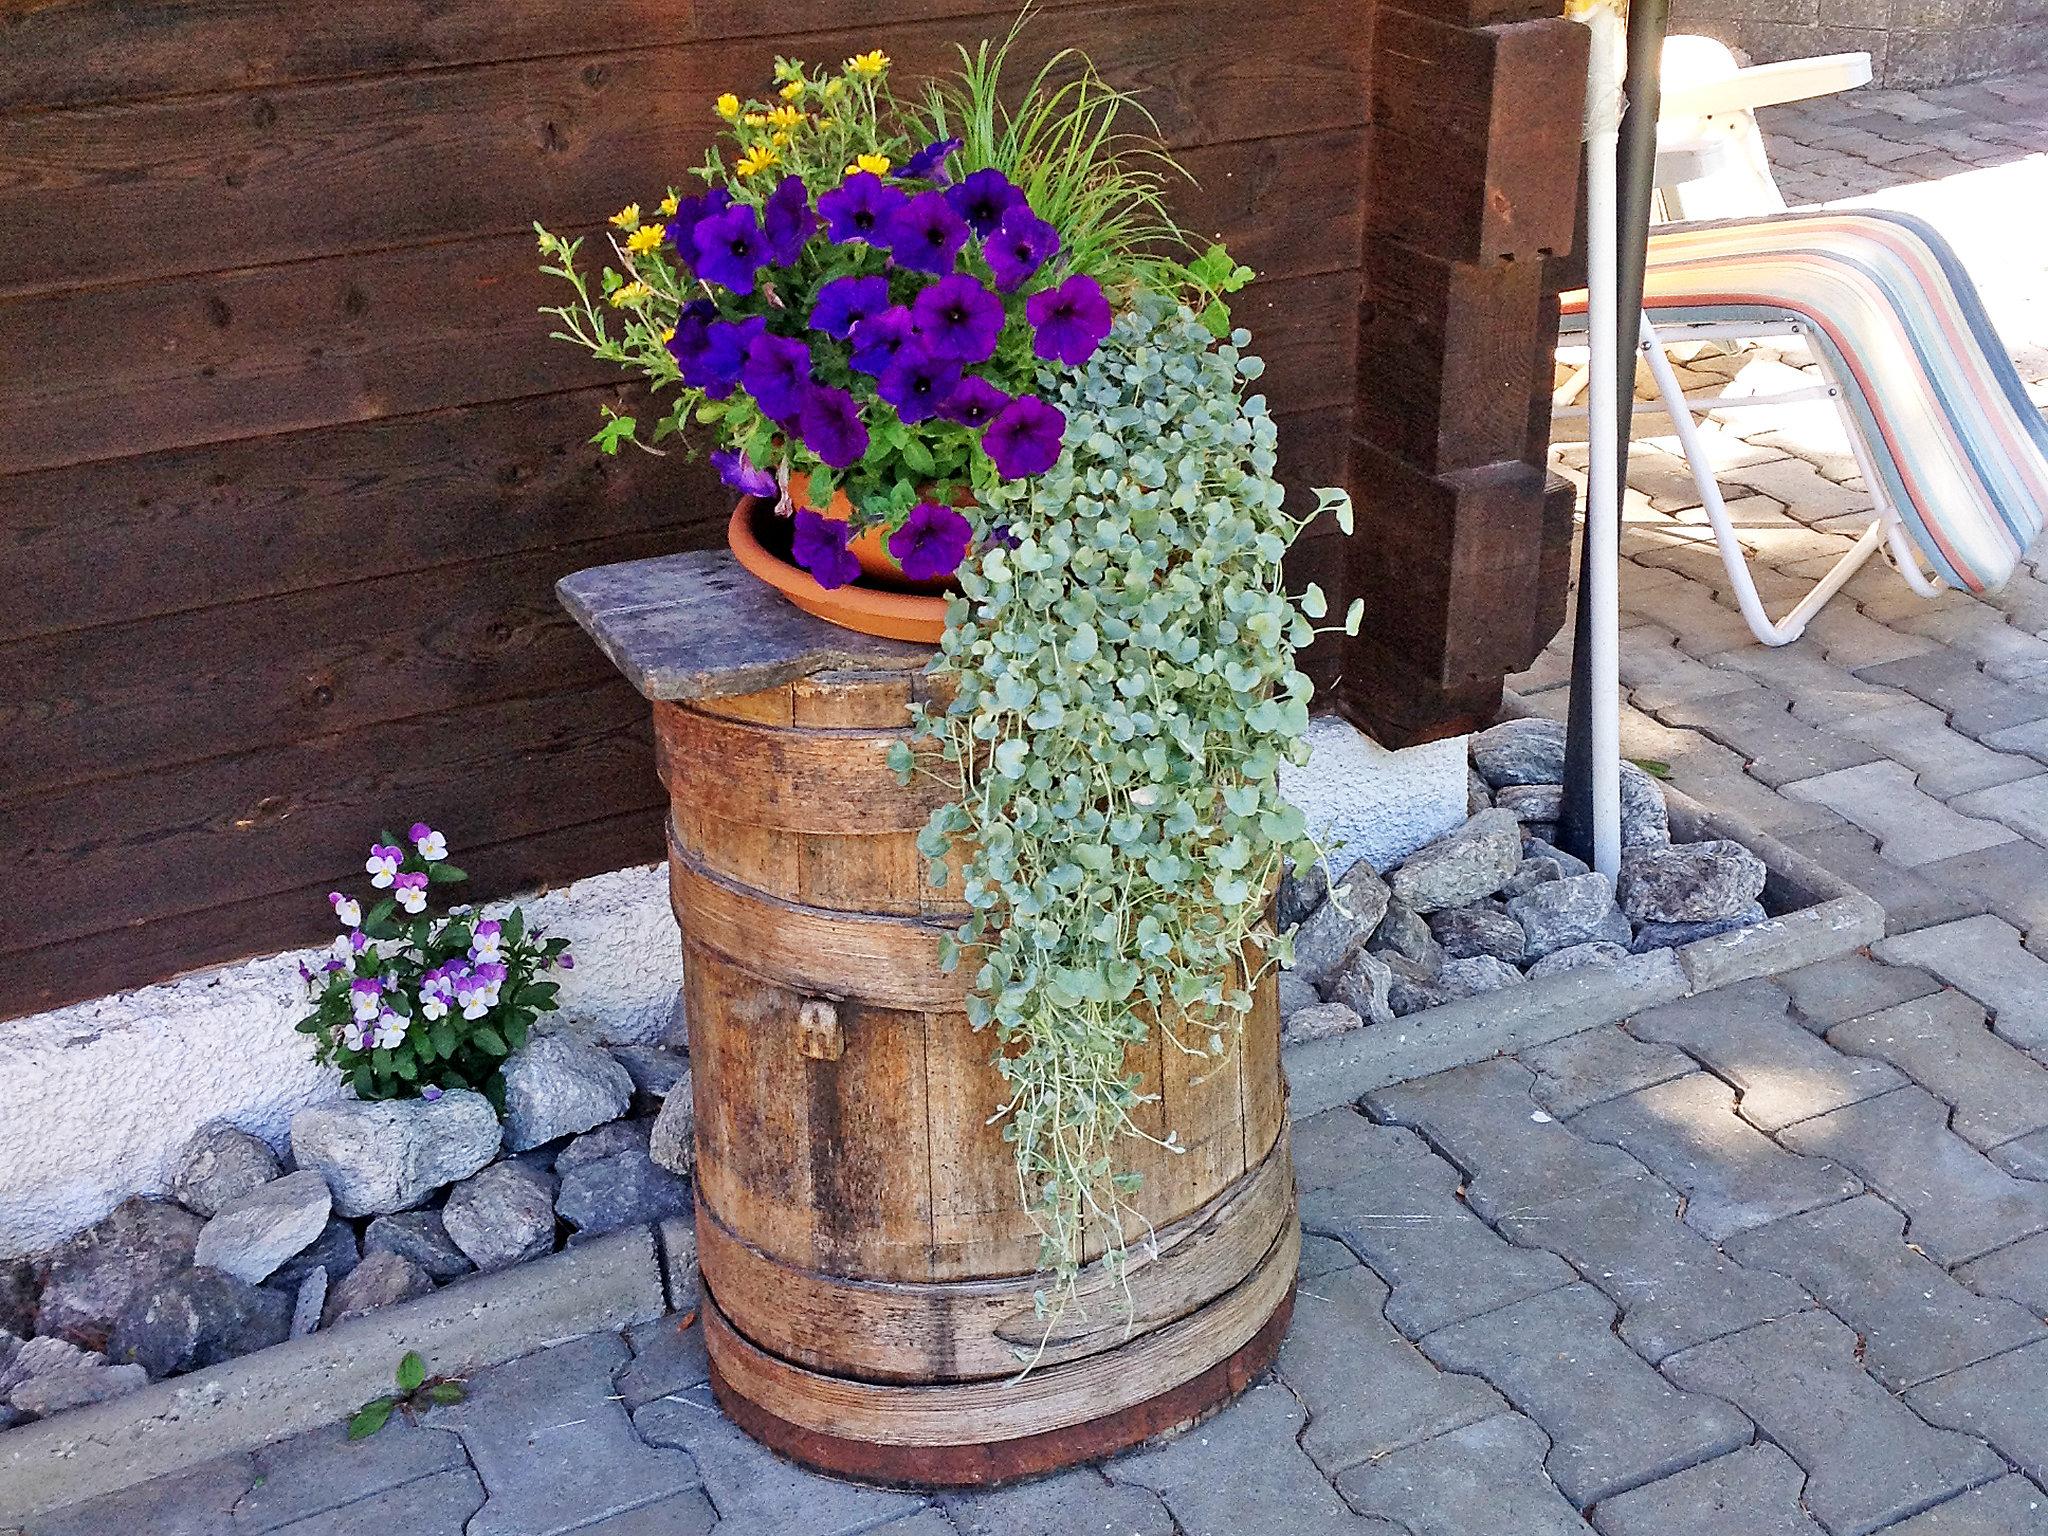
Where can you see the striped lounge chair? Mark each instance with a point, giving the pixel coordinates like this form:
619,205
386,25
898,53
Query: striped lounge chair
1954,454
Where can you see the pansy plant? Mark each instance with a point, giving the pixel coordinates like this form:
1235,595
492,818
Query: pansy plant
406,1003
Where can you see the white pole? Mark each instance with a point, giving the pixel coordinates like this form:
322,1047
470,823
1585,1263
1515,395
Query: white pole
1603,473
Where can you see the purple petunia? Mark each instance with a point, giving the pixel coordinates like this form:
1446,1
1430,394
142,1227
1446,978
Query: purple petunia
1025,438
1070,320
917,384
778,375
846,301
974,402
787,221
929,161
738,471
982,198
1020,246
692,211
931,543
819,546
731,248
709,353
861,208
831,427
926,235
877,339
958,318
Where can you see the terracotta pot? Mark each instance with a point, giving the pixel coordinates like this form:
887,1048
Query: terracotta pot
893,610
871,548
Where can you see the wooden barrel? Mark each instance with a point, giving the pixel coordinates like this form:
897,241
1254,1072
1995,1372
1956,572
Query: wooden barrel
869,1274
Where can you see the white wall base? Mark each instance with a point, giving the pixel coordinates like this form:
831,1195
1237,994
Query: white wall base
98,1099
1365,802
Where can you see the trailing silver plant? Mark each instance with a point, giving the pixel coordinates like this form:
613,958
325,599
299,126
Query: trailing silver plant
1125,696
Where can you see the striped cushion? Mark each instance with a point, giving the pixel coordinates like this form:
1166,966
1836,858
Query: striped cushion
1960,448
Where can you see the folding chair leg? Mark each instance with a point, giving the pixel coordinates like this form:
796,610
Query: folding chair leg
1733,557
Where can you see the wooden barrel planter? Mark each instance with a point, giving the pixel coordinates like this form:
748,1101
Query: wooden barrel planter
868,1272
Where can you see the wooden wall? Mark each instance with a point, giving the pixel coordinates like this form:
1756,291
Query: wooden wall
288,465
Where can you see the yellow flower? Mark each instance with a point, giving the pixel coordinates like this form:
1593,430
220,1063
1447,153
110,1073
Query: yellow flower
757,160
780,138
874,165
870,64
644,239
786,117
728,106
834,89
756,119
630,293
628,217
668,335
794,91
668,206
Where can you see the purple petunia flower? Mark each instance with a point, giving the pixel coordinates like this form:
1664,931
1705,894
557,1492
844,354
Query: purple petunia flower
819,547
709,351
690,212
1025,438
738,471
974,402
846,301
1070,320
731,248
787,221
917,383
831,427
861,208
929,161
926,235
958,318
982,199
778,375
931,543
877,339
1020,246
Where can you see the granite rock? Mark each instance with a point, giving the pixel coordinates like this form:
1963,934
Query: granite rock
1520,752
676,1035
1463,867
1301,892
49,1375
1405,932
501,1216
1484,928
380,1280
308,1302
1320,1023
253,1235
1412,988
94,1276
624,1190
1644,821
654,1070
606,1141
197,1318
672,1143
1689,882
420,1237
1481,973
1529,874
1576,957
1340,926
1294,994
559,1084
334,1250
1532,804
219,1166
390,1156
1477,796
1651,936
1563,913
1362,987
19,1292
1534,847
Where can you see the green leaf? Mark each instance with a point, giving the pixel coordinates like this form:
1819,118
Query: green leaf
1313,603
412,1371
444,873
1655,768
617,430
1354,615
371,1417
447,1392
490,1040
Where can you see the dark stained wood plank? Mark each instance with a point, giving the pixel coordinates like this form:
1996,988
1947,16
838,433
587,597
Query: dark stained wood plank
94,964
350,338
207,183
115,852
167,532
125,698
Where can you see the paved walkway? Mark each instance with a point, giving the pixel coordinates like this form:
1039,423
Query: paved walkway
1772,1262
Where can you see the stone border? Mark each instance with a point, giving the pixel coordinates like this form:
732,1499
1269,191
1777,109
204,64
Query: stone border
607,1283
1823,917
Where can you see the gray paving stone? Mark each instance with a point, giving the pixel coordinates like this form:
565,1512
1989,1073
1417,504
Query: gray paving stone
438,1505
1484,1480
1945,1044
1976,703
2012,1506
1327,1147
1915,1321
1368,1391
1868,1460
1069,1504
755,1491
1657,673
666,1358
2010,879
2018,1273
1957,1203
691,1514
1825,994
1982,633
1323,1256
2024,1157
1821,693
1944,761
311,1474
2021,805
1909,897
1983,957
1613,1422
194,1503
1597,1064
2003,1400
555,1446
1910,825
1750,1492
1759,724
1400,1213
1233,1473
1747,1035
